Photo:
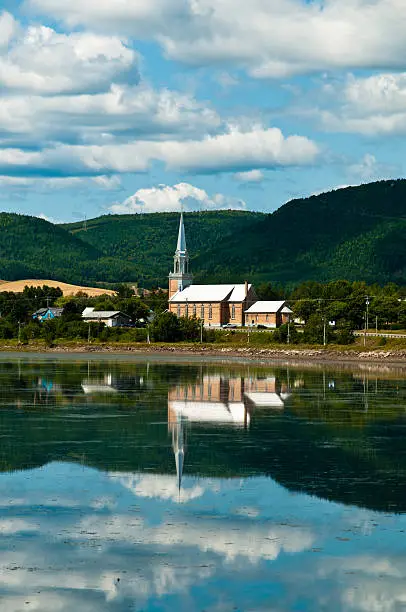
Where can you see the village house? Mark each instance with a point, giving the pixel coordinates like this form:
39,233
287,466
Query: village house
267,314
47,314
215,305
110,318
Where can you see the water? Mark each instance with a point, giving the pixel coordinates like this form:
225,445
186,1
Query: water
127,485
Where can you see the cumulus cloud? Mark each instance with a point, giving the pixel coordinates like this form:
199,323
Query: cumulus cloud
41,60
371,106
239,149
369,169
269,38
166,198
118,114
233,150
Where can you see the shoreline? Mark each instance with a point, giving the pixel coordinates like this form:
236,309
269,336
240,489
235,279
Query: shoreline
301,355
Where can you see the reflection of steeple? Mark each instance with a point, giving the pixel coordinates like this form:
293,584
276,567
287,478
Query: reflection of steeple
178,445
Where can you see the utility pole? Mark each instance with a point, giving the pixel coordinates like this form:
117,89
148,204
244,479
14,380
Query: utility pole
201,331
88,334
367,315
19,332
288,338
324,331
365,329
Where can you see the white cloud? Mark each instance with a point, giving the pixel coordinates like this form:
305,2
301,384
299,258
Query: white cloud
165,198
371,106
41,60
269,38
105,117
252,176
227,152
110,183
369,169
8,28
239,149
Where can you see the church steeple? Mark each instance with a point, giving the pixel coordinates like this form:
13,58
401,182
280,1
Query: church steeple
180,278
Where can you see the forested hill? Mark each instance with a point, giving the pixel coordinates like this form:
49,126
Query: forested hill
149,240
357,233
34,248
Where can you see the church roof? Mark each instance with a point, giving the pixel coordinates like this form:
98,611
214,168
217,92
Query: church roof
267,307
181,246
211,293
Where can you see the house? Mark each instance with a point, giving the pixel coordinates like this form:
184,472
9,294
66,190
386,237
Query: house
110,318
215,305
47,314
268,314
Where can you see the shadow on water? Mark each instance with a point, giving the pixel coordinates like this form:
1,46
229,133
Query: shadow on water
332,434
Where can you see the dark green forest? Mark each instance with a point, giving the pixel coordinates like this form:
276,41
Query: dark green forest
356,233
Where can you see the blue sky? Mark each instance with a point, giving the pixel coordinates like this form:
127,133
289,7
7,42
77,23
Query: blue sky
122,106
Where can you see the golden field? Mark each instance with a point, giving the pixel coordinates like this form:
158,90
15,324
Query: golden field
18,287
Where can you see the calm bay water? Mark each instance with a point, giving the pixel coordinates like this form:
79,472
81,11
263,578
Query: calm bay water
128,485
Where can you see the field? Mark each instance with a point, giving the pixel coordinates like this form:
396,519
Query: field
18,287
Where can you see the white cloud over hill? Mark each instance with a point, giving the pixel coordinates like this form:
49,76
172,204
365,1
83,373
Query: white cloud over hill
166,198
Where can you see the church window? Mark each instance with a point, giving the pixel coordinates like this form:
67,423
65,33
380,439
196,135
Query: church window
194,310
202,312
187,310
178,310
233,311
267,317
210,311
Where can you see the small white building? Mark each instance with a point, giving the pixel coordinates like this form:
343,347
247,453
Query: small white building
110,318
267,314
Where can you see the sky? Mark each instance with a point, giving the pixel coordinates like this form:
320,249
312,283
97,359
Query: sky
117,106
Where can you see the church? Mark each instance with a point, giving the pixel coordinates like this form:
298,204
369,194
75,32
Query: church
215,305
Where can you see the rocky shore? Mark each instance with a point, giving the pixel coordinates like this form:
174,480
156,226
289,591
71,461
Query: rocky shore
245,353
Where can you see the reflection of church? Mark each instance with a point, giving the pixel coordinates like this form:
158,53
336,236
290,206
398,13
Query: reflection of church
219,400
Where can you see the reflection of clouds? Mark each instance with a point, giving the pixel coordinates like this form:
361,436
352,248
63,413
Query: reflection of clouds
370,583
157,486
66,586
228,538
14,525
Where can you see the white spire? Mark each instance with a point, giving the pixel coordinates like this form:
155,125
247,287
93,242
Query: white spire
181,248
178,445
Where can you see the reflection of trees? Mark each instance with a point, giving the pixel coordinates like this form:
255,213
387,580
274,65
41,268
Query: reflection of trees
337,435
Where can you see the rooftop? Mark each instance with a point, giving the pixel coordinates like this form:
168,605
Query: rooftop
211,293
268,307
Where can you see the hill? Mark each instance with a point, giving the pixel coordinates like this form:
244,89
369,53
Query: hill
67,289
34,248
149,240
357,233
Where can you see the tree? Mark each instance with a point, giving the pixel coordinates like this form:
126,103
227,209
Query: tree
166,328
313,332
190,328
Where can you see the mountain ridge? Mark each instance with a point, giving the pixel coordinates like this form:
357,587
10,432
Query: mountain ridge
355,233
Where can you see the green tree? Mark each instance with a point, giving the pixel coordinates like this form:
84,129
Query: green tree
166,328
